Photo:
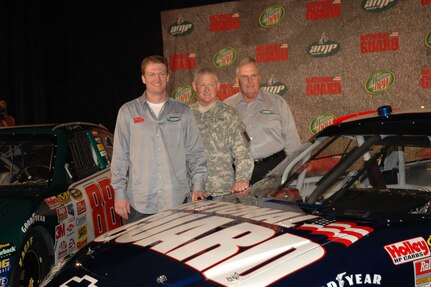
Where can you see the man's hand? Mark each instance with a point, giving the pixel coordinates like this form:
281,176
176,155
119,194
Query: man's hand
122,207
241,188
198,195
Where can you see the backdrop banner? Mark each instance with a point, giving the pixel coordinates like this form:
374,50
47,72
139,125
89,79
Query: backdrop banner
327,58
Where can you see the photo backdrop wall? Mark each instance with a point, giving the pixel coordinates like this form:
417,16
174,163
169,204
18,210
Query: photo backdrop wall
326,58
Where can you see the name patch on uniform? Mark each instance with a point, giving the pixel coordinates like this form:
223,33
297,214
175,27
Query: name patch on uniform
174,118
266,112
138,120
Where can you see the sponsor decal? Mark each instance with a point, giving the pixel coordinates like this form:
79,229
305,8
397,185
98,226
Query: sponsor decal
426,78
76,194
90,281
33,219
70,228
81,220
5,266
271,16
408,250
346,233
60,231
425,2
379,42
6,250
318,86
321,121
224,57
81,207
378,5
3,281
224,22
72,245
323,9
62,249
81,243
422,272
64,197
428,39
82,231
323,48
181,62
272,53
184,94
277,88
70,209
25,248
137,120
181,28
379,82
52,202
61,213
226,90
356,279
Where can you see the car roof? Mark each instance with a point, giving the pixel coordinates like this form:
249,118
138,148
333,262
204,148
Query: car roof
408,122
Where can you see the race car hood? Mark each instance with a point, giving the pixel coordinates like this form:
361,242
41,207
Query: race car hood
210,244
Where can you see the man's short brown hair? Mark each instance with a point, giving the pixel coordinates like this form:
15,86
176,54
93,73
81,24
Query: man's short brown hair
153,59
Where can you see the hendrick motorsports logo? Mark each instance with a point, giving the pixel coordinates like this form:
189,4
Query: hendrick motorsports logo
321,121
323,48
224,57
379,82
271,16
184,94
428,39
378,5
181,28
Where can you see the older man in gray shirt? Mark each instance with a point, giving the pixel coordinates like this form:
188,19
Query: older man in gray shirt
158,155
269,122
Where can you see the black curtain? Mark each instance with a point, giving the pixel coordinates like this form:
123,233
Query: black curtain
69,60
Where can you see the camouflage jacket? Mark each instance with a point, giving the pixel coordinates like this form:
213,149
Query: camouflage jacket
226,147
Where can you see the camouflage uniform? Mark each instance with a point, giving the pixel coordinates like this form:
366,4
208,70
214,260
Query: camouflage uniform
225,145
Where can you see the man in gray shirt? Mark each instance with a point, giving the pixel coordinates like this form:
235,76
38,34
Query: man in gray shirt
269,122
158,154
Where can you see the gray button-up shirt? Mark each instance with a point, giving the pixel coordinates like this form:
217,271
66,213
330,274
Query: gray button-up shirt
269,123
156,161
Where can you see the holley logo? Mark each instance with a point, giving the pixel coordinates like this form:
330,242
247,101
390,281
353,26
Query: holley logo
408,250
379,82
224,57
378,5
321,121
181,28
271,16
184,94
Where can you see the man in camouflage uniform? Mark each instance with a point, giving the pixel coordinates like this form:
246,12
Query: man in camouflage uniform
230,164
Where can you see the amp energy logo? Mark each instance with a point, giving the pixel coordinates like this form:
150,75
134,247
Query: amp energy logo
378,5
181,28
323,48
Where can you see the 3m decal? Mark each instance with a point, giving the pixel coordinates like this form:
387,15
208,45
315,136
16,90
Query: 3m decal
408,250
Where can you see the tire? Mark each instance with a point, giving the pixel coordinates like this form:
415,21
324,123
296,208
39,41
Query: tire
34,260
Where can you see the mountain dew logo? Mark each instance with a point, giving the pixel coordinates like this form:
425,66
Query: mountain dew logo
321,121
325,49
271,16
184,94
428,39
378,5
277,88
181,28
224,57
379,82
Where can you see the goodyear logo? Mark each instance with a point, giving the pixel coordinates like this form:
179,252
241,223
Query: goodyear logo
224,57
326,49
379,82
271,16
321,121
378,5
428,39
184,94
277,88
181,28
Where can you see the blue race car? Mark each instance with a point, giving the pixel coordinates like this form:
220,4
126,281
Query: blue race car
351,207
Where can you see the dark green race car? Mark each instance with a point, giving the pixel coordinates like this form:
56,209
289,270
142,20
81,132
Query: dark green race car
55,196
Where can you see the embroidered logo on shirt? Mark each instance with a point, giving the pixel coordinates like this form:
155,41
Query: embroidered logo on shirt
174,119
266,112
138,120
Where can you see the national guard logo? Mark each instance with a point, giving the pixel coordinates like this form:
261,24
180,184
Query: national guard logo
224,57
185,94
271,16
321,121
379,82
378,6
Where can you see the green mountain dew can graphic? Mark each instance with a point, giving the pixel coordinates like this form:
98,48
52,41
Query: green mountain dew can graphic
428,39
224,57
184,94
378,6
321,121
181,29
271,16
277,88
379,82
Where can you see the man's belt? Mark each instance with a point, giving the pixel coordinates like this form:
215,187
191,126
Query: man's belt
280,154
